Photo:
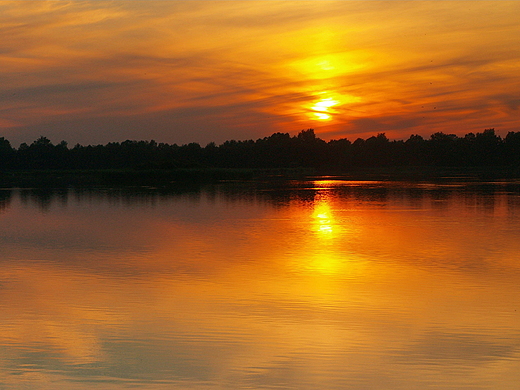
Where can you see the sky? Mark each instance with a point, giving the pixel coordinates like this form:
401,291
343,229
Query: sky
93,72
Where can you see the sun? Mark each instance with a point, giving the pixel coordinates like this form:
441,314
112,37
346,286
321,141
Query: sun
322,108
322,116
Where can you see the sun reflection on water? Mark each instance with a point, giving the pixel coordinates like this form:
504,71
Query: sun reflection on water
324,255
323,221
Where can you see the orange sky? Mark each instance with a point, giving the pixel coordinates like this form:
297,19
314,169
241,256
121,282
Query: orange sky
199,71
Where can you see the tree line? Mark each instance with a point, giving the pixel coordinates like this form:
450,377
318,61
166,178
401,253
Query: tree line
280,150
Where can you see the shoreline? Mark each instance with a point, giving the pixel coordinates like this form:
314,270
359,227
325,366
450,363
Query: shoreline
172,177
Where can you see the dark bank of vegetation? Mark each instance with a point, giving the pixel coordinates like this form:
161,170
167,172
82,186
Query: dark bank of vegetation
131,161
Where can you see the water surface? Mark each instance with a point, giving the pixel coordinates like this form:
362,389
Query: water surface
322,284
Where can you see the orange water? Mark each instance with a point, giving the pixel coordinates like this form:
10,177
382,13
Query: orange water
302,285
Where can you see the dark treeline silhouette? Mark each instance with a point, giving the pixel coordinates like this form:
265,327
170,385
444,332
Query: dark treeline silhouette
280,150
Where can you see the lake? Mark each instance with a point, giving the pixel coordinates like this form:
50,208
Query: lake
318,284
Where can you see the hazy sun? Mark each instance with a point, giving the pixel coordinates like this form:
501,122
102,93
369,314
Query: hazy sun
322,108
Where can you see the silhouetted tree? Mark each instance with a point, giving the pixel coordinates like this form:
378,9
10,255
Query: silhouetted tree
415,151
512,149
488,145
311,150
7,154
441,149
279,150
340,154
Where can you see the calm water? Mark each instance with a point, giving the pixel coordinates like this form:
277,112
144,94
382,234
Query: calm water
316,285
